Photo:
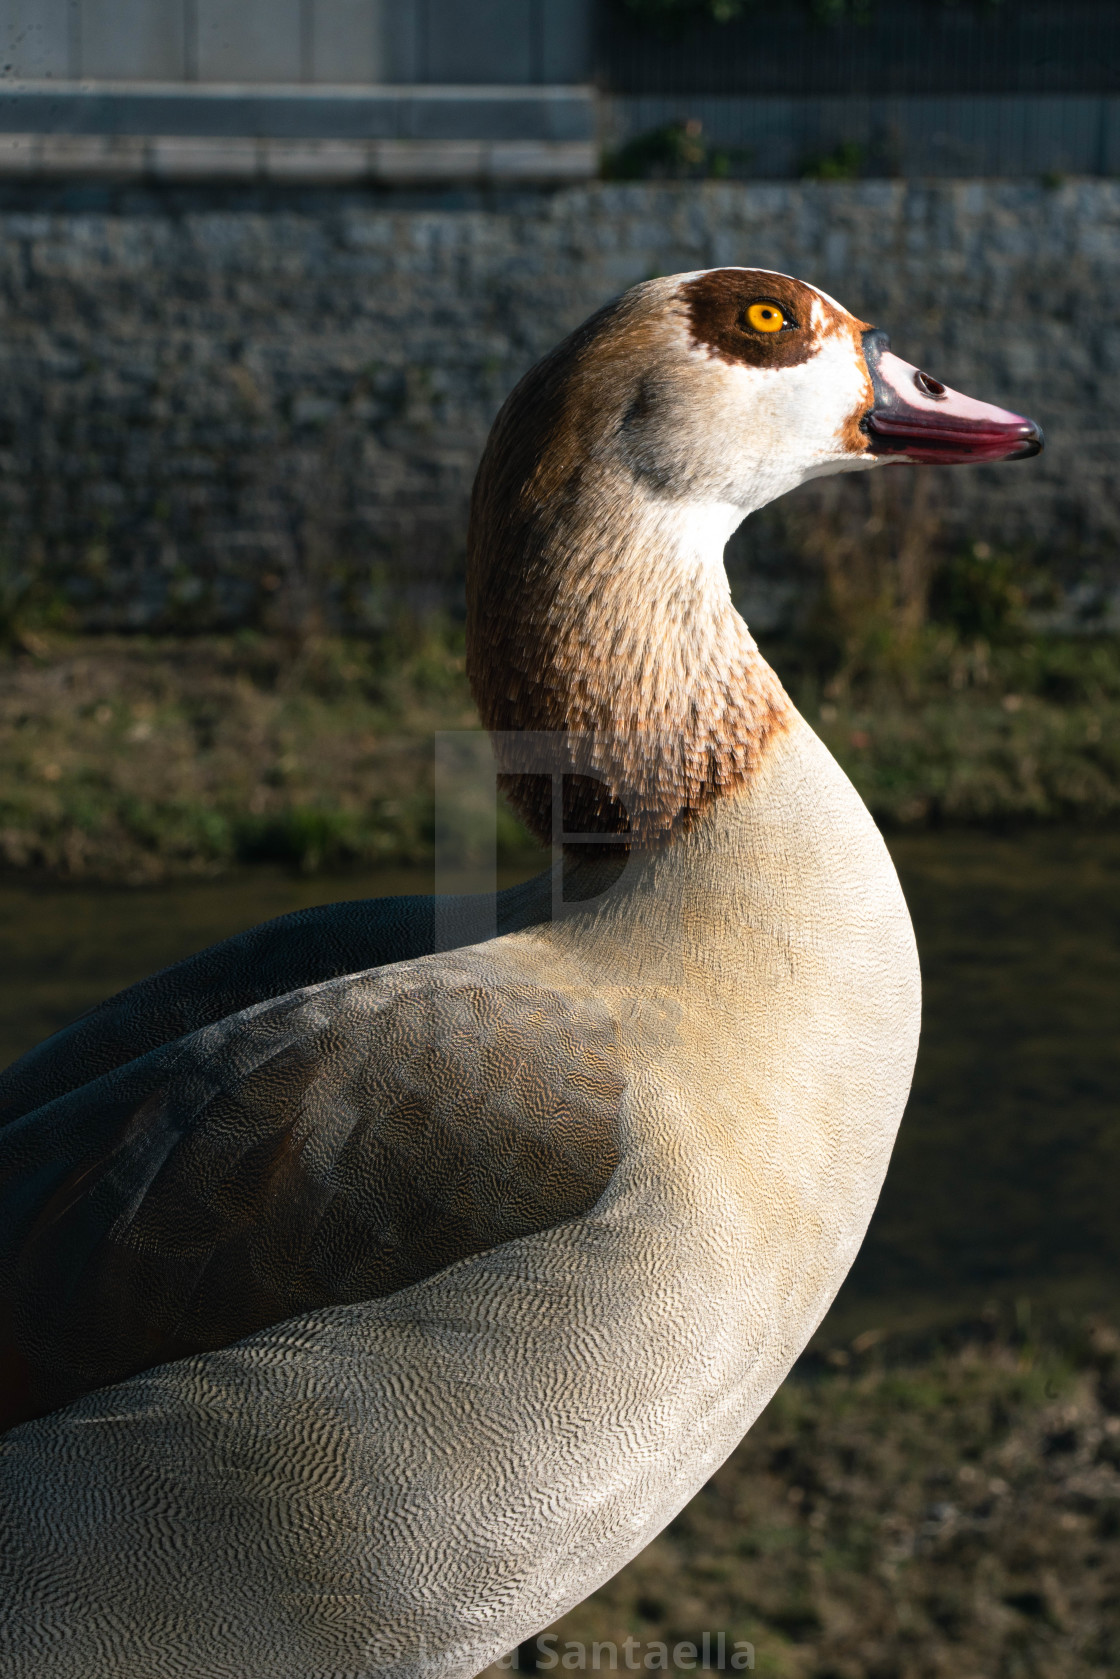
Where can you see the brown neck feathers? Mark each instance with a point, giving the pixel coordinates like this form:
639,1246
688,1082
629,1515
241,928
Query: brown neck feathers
625,692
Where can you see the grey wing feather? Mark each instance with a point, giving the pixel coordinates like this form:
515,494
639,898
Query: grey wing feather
325,1148
270,960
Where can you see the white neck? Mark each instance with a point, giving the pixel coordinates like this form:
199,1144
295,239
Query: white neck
763,976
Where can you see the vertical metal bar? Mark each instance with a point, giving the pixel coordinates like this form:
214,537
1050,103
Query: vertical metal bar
423,40
307,40
190,40
74,41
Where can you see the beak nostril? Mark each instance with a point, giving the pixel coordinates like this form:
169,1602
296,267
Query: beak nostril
931,387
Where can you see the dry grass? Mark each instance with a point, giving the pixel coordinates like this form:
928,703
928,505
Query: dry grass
926,675
139,759
989,753
134,759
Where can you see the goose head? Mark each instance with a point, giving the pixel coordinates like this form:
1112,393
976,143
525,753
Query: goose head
735,385
750,383
615,473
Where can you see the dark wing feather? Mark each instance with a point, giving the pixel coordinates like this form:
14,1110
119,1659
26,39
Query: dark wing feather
329,1147
270,960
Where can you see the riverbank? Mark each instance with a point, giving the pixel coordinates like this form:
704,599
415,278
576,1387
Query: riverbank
137,759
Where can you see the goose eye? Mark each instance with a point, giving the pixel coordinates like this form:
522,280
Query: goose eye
766,317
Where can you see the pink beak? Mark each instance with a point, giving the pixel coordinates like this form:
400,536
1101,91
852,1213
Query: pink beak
921,420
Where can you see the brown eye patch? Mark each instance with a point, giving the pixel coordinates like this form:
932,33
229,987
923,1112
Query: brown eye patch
720,305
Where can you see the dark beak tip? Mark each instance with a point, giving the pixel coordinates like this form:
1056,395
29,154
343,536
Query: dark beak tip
1033,443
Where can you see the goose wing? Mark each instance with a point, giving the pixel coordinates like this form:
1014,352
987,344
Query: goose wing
327,1147
270,960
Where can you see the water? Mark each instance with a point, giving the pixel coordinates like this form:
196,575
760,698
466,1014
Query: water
1007,1169
1006,1174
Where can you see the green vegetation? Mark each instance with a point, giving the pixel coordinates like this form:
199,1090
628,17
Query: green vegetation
929,675
134,758
675,152
913,1504
845,162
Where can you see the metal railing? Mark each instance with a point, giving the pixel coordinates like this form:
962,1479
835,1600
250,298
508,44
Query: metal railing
903,47
1025,87
918,88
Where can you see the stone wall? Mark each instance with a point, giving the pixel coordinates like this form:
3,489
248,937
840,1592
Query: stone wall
215,406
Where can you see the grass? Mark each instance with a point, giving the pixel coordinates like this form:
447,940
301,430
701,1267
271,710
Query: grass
984,734
927,674
910,1506
936,676
135,759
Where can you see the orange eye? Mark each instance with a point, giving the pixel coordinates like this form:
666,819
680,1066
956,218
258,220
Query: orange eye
766,317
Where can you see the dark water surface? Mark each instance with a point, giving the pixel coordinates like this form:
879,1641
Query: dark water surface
1006,1173
1006,1176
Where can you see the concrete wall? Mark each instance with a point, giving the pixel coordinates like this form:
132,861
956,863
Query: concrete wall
213,403
320,41
385,91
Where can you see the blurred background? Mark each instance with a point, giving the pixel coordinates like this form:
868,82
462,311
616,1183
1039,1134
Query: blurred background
267,270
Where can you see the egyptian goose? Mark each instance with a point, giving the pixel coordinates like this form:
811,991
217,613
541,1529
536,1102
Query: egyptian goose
362,1322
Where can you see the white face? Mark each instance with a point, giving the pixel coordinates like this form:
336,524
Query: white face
737,415
760,432
746,384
